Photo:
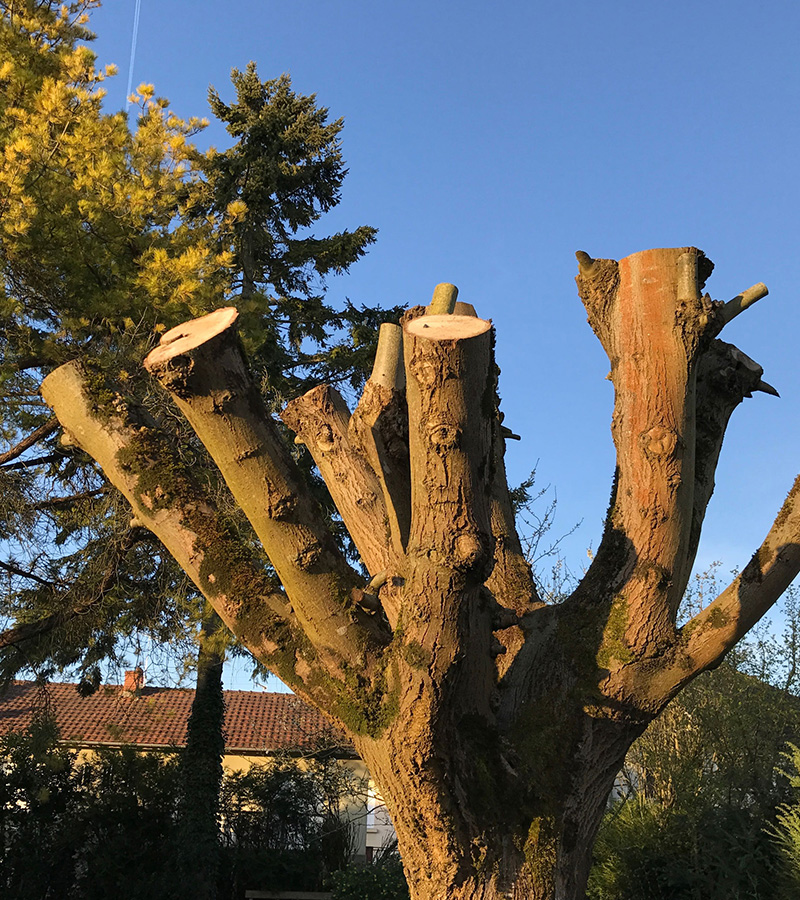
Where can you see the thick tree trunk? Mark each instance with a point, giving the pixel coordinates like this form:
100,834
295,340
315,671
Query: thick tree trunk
476,820
493,723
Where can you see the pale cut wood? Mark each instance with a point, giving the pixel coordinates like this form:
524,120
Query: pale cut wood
189,335
388,368
443,301
741,302
448,327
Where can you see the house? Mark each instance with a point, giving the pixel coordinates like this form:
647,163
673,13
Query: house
258,725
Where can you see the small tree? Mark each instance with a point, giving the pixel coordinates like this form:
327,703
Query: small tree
698,796
493,723
787,829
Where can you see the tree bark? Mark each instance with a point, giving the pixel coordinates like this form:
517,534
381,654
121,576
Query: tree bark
493,723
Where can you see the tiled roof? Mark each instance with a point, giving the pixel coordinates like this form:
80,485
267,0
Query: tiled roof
255,722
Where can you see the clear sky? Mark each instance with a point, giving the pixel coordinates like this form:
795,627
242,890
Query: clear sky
489,142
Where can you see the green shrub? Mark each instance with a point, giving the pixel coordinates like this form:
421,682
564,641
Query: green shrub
383,880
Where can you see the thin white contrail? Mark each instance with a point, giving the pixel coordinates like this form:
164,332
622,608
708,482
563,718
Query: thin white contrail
133,49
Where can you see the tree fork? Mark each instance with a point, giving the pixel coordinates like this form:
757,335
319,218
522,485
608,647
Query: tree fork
496,774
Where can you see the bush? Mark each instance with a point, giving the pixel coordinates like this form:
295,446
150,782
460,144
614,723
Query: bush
89,829
383,880
83,828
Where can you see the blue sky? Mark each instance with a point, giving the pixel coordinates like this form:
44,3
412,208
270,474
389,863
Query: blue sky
488,143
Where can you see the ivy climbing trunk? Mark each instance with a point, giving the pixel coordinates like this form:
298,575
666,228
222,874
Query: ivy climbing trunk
493,722
198,844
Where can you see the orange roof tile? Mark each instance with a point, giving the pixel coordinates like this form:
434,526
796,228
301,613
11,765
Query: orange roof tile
255,722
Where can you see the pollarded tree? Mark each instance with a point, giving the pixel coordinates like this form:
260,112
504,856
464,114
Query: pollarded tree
493,722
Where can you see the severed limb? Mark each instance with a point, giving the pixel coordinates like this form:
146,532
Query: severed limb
707,637
676,387
510,581
728,311
451,395
379,429
650,317
320,419
141,462
201,365
449,385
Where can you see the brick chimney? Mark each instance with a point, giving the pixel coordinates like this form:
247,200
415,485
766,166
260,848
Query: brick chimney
134,680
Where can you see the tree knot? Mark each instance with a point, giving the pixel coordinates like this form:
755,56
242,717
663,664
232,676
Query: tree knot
444,435
660,441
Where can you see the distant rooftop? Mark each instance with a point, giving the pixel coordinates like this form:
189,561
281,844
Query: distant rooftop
155,718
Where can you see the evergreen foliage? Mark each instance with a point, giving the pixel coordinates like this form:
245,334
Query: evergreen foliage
112,230
110,825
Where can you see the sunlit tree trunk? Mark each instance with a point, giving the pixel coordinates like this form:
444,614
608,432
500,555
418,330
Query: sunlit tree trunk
493,722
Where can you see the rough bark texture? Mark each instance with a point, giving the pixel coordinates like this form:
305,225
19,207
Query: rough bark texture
493,723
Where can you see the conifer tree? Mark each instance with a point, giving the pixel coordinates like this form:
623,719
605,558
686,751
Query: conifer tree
110,233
